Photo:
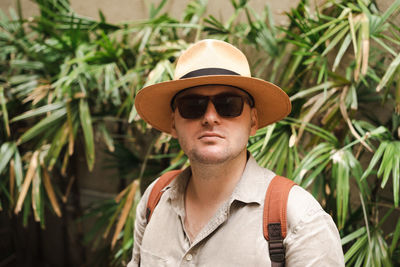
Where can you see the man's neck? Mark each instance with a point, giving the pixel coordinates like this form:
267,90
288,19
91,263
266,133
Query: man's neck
208,188
214,183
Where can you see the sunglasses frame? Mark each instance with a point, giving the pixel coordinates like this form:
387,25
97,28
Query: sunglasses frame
213,98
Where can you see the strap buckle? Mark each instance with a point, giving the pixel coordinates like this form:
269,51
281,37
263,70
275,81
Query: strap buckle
275,243
276,250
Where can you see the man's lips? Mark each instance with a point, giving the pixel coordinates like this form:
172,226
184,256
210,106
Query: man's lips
210,135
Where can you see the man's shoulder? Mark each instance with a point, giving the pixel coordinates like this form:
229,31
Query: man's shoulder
301,206
300,202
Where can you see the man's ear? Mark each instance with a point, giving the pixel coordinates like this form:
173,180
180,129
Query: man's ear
173,129
254,121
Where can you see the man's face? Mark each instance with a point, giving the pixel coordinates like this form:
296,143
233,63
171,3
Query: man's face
211,138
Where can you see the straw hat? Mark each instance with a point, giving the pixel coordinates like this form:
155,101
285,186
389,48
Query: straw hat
211,62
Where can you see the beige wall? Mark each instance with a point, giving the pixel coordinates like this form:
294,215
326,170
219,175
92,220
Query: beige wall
128,10
138,9
28,7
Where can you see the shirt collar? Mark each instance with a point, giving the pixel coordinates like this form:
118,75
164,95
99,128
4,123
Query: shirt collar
250,188
252,185
175,191
178,186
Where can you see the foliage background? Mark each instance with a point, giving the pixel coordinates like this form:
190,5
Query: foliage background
67,88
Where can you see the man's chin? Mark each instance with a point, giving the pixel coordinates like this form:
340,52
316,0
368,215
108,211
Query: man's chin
210,157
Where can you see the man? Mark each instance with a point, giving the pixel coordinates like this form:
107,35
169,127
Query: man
211,214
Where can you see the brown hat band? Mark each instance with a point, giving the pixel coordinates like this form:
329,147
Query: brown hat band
207,72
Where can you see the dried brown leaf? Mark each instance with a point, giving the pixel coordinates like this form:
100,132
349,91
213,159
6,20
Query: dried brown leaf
365,56
70,183
12,180
125,212
121,194
36,196
27,181
50,192
38,94
71,131
345,115
319,99
80,95
64,164
364,43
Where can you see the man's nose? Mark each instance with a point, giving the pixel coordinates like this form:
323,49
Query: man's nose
211,115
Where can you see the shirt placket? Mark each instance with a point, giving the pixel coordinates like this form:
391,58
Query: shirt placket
190,258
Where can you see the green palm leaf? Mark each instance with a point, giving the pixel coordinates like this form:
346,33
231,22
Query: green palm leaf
86,123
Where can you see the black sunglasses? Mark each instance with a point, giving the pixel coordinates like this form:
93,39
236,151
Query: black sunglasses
194,106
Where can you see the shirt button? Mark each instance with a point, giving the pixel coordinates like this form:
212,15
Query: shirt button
189,257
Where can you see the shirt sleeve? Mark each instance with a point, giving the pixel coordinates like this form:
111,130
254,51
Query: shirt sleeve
312,239
140,226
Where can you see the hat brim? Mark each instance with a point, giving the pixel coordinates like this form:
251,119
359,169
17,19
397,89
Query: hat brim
153,102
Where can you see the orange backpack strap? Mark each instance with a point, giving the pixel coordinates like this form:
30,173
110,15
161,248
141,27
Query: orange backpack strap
274,218
157,191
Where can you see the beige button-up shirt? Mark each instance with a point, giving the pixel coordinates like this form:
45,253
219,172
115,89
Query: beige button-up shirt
234,236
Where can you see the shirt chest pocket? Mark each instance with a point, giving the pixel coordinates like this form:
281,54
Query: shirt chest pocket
149,259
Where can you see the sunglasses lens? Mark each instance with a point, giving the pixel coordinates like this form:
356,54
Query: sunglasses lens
192,106
228,105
